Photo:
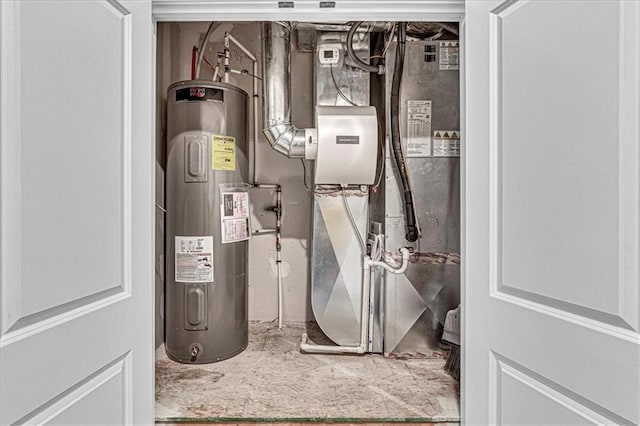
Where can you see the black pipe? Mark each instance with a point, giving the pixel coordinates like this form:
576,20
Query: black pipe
354,57
396,147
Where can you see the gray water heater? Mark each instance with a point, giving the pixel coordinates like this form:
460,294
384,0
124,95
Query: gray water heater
207,224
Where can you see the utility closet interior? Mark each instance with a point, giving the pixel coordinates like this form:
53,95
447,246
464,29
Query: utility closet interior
307,222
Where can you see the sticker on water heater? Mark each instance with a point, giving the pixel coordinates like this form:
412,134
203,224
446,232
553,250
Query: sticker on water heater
194,259
189,94
223,153
234,230
236,205
418,140
234,217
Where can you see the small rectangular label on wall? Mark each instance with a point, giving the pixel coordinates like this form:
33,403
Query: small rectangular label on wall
450,55
194,259
234,217
418,140
223,153
446,143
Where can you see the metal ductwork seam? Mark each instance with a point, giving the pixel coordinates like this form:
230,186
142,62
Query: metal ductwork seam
281,134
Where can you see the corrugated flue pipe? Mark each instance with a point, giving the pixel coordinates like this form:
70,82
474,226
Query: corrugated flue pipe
283,136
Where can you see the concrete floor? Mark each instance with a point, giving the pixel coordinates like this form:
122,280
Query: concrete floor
273,381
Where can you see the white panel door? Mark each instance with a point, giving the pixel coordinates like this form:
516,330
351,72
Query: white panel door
76,212
552,312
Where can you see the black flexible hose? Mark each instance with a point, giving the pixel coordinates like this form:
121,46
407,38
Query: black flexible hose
396,147
352,54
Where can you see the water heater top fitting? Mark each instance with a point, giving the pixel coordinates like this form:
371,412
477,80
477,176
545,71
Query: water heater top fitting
347,145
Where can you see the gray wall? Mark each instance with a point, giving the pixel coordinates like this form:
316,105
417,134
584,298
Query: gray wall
175,42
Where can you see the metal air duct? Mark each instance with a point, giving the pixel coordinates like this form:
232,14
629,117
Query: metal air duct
283,136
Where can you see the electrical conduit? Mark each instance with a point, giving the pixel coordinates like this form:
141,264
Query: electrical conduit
412,229
354,57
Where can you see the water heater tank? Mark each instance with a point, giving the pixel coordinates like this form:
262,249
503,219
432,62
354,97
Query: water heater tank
206,279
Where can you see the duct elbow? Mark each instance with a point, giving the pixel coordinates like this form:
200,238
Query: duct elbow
277,136
286,139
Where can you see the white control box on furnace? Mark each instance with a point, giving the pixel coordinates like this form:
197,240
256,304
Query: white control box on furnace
347,145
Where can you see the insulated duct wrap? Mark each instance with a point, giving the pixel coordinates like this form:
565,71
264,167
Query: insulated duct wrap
283,136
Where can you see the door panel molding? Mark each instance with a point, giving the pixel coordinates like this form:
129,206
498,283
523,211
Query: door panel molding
627,313
55,317
10,160
127,137
629,163
118,369
13,317
504,368
87,349
568,312
568,352
628,336
76,194
81,211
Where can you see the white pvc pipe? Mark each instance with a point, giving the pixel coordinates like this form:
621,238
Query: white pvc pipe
256,99
265,231
398,270
279,257
226,58
328,349
241,46
371,300
256,106
366,301
280,302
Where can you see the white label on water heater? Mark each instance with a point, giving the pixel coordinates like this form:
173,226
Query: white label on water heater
234,217
418,128
194,259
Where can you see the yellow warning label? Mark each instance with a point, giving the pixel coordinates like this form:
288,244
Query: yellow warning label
223,153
